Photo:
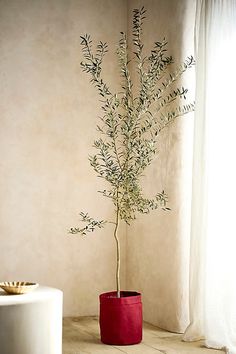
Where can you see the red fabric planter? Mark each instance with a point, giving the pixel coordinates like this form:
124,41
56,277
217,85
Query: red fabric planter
121,318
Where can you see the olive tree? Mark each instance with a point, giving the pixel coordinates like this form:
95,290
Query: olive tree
131,123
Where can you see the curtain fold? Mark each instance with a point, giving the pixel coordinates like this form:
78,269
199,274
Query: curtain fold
213,228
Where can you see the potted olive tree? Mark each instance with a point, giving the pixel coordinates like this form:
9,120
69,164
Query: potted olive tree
129,130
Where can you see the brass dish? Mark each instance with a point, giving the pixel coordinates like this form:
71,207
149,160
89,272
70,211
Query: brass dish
18,287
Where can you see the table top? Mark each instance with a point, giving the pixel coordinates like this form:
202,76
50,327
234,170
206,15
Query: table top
40,294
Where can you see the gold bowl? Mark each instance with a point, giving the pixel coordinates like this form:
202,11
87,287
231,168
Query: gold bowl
18,287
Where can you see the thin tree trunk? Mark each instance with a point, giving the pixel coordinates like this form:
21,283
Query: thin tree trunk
117,253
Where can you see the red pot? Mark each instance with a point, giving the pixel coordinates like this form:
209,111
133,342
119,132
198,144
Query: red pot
121,318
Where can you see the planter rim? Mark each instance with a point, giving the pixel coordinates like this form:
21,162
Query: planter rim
127,297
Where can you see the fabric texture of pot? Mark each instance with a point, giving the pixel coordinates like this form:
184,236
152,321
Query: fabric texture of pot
121,318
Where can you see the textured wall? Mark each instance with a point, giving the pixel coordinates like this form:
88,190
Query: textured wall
48,110
158,244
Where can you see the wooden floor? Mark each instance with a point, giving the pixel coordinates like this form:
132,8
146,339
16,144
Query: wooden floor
81,336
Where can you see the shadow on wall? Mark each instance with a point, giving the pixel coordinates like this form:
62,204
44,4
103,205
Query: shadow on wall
158,245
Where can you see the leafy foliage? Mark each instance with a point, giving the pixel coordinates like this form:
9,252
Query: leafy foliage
91,225
130,125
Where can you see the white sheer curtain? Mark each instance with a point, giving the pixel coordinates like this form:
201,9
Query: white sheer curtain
213,233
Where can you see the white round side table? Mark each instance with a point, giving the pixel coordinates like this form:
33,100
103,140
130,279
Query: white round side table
31,323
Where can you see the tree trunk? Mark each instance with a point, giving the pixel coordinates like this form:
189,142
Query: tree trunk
117,253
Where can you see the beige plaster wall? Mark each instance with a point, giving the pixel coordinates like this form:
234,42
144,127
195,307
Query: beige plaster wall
48,110
158,244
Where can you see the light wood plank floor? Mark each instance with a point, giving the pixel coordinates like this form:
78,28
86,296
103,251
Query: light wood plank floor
81,336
